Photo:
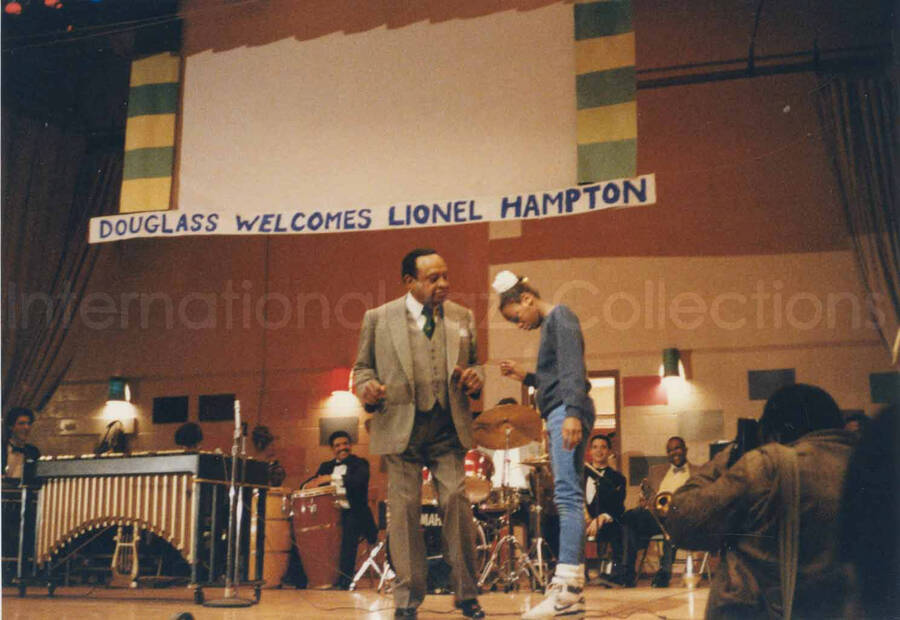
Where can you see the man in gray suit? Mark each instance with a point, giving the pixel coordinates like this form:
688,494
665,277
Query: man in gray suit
416,369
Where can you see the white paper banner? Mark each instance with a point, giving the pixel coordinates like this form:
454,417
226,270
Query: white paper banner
634,192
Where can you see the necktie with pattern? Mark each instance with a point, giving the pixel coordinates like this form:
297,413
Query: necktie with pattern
428,328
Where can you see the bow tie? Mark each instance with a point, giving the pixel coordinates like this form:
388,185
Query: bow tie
679,470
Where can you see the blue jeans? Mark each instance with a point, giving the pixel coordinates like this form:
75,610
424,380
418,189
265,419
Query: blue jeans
568,494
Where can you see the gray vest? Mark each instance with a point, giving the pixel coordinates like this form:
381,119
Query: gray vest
429,357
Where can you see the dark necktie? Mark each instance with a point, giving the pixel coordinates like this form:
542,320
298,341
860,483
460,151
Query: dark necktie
428,328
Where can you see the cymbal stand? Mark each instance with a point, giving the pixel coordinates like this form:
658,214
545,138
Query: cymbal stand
524,565
541,561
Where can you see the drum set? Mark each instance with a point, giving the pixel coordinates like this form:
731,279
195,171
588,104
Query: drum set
510,562
505,561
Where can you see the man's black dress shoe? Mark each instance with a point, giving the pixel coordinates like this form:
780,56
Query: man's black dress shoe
470,608
405,612
660,580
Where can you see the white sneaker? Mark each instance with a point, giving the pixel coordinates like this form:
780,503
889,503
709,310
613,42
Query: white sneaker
562,601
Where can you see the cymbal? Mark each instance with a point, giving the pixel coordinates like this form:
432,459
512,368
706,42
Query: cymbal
523,423
538,461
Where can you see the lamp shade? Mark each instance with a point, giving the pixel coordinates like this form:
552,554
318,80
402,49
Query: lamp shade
670,359
118,389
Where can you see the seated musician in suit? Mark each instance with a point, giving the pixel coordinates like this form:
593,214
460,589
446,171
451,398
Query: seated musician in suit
16,449
640,524
604,497
352,473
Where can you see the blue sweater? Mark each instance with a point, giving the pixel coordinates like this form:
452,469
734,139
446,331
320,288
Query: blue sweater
560,376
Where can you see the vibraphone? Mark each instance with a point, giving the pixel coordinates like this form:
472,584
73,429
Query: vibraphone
181,497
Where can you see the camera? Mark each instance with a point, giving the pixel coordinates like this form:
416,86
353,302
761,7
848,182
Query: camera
747,439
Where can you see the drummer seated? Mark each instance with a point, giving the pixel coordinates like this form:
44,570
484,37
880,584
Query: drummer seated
351,474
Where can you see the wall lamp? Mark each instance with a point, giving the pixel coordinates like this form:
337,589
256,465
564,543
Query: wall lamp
119,390
673,364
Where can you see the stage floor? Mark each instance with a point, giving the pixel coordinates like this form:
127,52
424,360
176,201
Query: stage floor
84,603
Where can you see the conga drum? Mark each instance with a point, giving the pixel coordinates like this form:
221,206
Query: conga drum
429,492
278,537
316,520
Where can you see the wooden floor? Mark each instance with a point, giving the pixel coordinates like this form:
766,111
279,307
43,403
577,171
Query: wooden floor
102,603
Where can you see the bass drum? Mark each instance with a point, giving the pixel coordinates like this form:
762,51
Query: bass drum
438,581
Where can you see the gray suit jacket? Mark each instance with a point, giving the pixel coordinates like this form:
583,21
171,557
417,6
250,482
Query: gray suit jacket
655,478
384,355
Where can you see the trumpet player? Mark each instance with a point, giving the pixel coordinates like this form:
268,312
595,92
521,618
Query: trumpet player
649,518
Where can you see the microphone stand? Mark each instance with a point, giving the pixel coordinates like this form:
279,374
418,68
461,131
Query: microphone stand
233,551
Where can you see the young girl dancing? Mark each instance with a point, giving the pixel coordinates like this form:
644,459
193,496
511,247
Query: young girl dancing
564,402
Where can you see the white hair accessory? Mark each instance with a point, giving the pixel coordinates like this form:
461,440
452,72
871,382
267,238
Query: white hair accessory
504,281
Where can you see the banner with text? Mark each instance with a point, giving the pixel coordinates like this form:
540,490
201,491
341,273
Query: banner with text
635,192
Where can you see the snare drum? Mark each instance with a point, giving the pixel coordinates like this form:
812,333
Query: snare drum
316,520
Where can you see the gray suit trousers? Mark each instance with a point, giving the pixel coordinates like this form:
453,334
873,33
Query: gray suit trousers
433,443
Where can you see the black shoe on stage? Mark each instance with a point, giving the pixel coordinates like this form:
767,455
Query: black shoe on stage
624,579
470,608
405,612
660,580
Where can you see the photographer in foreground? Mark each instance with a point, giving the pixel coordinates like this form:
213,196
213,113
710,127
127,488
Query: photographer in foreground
773,513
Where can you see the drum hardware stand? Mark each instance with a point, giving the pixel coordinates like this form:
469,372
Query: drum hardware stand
235,514
542,571
384,571
523,565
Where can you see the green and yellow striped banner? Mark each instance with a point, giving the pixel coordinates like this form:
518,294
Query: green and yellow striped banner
605,85
150,134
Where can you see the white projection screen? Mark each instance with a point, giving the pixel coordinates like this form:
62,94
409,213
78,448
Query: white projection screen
479,106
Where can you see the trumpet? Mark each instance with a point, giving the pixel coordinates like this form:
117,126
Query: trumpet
658,508
661,504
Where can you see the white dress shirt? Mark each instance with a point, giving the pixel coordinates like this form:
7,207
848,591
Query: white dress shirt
415,309
675,478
